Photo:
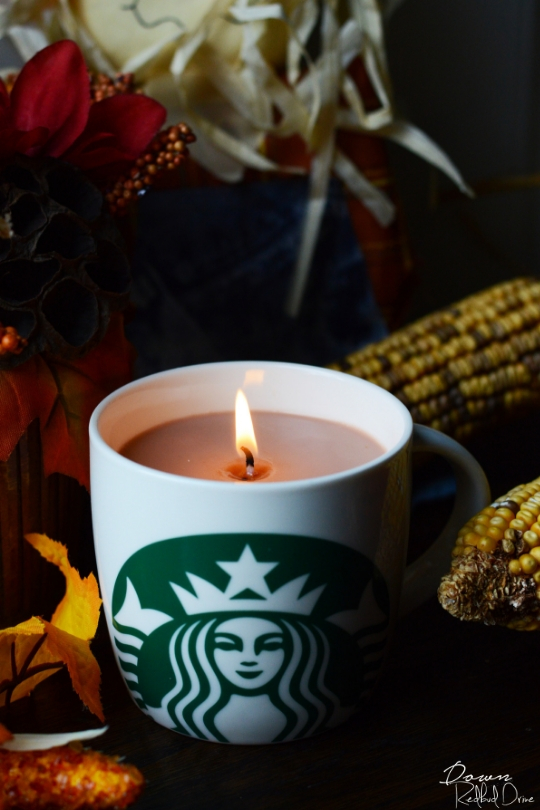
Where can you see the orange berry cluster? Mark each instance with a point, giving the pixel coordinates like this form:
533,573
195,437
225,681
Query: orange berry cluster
102,86
10,341
166,151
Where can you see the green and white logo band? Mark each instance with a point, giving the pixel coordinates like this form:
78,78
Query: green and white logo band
249,638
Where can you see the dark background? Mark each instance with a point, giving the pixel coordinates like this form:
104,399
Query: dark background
467,73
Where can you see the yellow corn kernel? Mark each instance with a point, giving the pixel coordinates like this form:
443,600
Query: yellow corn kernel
471,539
514,567
532,507
528,564
504,512
487,544
495,532
531,538
526,517
482,519
489,511
500,522
520,525
535,552
480,529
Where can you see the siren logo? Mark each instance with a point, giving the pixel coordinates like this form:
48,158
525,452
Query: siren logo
249,638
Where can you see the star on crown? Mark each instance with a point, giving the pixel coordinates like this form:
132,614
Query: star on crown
247,590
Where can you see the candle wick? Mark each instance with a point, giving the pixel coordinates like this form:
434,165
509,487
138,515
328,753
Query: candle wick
250,462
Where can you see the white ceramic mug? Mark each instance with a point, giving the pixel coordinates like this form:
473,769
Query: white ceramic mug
300,580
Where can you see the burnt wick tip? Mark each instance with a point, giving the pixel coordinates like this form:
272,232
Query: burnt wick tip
250,461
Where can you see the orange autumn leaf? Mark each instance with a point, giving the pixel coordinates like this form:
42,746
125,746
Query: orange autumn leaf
78,612
33,650
58,648
5,735
16,644
83,668
63,394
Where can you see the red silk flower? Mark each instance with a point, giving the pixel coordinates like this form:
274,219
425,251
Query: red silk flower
48,112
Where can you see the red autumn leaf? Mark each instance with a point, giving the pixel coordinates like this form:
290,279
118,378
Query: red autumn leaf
63,394
52,91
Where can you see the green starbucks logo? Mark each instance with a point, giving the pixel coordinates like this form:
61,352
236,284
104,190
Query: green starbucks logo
249,637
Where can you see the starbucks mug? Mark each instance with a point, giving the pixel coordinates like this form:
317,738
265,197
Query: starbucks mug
258,612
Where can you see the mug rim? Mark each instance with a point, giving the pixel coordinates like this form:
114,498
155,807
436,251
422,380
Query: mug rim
97,440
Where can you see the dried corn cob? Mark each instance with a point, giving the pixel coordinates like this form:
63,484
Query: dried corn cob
495,574
67,778
464,367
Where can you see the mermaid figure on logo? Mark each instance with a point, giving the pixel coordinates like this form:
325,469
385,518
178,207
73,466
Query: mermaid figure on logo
249,679
248,664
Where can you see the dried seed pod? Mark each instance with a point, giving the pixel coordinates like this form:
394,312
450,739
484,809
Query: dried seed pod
495,572
465,367
62,266
66,778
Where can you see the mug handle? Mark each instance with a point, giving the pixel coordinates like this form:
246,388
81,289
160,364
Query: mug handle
422,577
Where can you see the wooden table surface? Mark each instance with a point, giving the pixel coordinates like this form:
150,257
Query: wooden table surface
450,692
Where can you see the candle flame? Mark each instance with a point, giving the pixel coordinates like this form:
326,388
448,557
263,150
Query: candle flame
245,435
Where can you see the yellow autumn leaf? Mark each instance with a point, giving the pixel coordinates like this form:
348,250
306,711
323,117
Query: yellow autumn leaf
31,627
35,649
78,612
57,648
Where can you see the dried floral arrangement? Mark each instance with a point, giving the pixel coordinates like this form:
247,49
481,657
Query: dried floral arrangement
76,148
68,142
267,86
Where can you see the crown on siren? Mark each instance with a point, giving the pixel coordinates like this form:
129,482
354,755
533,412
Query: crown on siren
247,590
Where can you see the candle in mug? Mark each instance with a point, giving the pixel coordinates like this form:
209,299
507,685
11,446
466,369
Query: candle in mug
291,447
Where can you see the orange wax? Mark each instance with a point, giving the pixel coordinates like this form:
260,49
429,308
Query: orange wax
290,447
